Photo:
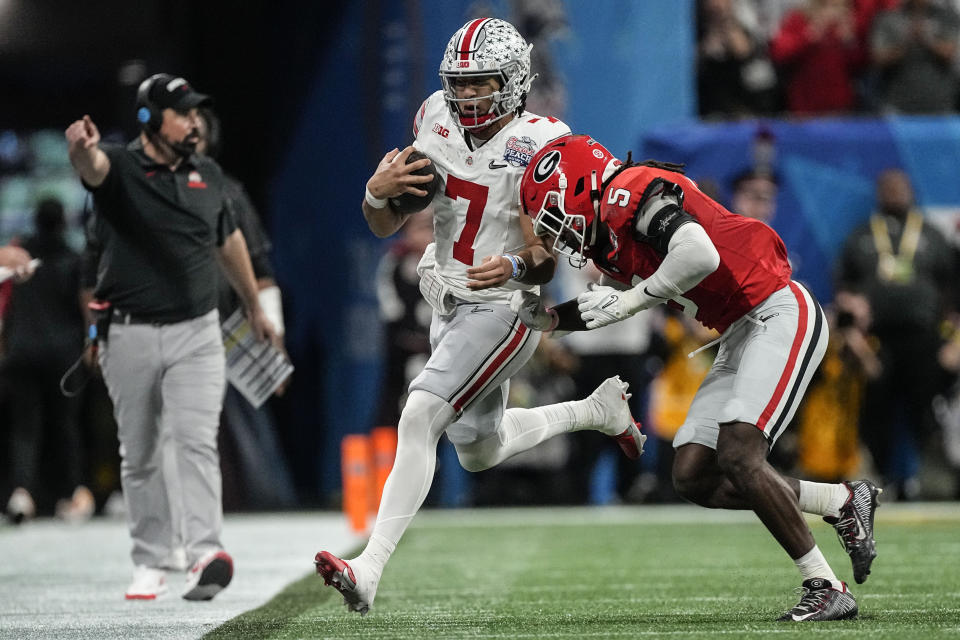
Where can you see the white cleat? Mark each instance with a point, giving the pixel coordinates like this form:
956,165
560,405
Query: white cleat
615,419
351,580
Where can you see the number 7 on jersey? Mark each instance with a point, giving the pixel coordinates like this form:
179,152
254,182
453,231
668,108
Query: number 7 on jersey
476,196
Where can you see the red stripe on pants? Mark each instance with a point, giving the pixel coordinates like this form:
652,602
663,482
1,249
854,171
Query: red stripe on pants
490,370
791,361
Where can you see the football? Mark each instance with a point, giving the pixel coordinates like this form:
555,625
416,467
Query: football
407,203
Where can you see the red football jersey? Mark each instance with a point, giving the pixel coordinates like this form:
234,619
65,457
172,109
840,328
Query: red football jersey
753,258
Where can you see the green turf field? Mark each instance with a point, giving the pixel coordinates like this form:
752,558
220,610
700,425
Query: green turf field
624,573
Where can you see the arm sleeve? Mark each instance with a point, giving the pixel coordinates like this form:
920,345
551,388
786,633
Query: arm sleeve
690,258
661,214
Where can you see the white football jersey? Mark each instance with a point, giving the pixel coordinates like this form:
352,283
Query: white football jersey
476,209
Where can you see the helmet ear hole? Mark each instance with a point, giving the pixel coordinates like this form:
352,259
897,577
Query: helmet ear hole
577,190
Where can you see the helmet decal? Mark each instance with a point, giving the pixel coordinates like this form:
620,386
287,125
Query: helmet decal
561,190
472,36
546,166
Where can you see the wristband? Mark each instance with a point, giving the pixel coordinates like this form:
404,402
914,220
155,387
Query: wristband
374,201
519,266
554,318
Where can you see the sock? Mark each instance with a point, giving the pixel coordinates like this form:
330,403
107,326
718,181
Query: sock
423,420
376,553
522,429
813,565
519,430
822,499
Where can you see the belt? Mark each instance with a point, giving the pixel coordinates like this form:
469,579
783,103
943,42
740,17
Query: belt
132,318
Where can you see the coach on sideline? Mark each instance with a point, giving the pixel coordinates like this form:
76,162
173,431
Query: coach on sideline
162,224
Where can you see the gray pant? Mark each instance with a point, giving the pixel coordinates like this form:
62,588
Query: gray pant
168,378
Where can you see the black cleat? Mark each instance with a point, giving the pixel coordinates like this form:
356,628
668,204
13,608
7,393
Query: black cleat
822,599
855,526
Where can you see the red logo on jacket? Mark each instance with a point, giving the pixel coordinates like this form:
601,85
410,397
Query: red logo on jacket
194,181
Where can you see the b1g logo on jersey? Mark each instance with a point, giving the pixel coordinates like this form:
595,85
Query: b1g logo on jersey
520,151
546,166
441,130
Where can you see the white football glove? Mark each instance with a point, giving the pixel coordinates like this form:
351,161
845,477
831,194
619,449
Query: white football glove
532,312
600,305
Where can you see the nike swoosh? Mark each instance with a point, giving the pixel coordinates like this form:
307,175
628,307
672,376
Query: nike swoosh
480,309
647,291
797,618
610,302
494,165
861,532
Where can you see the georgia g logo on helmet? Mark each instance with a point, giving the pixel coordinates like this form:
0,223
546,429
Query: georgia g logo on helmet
546,166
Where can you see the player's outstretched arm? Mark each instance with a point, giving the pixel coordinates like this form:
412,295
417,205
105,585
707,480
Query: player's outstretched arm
392,178
536,315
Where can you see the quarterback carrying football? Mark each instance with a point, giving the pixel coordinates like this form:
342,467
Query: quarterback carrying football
480,138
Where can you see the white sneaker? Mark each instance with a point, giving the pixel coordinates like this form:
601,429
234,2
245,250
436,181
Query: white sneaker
21,506
354,581
614,417
148,584
208,576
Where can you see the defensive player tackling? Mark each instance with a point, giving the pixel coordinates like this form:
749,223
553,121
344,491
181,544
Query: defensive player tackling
659,239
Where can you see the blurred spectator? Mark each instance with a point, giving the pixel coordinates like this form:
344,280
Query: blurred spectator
735,76
600,354
256,474
755,195
903,266
43,334
828,441
914,50
15,258
405,314
946,405
673,390
818,54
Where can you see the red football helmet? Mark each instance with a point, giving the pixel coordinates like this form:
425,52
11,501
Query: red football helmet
561,190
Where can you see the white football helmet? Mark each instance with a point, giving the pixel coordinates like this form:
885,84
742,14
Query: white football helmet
483,47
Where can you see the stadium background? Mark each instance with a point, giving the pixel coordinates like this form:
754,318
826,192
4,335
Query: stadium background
313,94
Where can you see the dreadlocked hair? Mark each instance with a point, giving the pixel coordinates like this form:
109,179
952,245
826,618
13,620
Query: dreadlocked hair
666,166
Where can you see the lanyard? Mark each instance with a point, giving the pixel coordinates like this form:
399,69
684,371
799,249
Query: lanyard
896,267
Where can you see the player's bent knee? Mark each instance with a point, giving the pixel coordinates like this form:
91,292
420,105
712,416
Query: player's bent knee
689,478
691,488
475,456
741,450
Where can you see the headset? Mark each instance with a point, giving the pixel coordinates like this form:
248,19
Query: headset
148,115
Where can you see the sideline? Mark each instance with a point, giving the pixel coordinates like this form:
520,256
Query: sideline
66,581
